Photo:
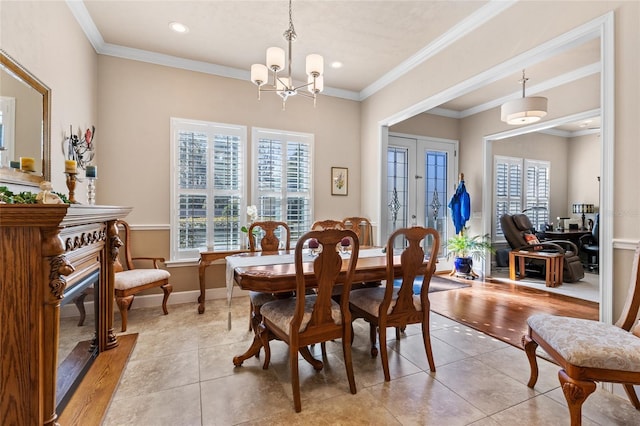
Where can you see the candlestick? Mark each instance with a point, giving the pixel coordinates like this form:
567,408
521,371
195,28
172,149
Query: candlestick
70,166
91,189
71,184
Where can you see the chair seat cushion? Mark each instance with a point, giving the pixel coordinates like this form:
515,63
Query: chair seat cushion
587,343
369,299
125,280
280,312
259,298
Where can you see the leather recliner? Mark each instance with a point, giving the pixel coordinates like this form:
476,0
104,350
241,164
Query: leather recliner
517,228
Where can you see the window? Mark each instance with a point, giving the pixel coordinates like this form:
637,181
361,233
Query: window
283,178
521,185
208,187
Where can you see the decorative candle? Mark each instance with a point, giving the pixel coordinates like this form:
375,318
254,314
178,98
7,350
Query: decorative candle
27,164
92,171
70,166
14,164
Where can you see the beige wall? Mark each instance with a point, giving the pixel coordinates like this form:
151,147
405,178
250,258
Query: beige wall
45,38
584,170
429,125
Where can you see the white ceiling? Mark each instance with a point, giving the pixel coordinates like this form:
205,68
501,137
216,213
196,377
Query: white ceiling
375,40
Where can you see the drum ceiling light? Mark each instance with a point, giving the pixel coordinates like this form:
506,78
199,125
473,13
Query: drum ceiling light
283,85
525,110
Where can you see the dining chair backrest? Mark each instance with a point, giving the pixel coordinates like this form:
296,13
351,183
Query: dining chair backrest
412,261
320,225
362,227
269,242
326,270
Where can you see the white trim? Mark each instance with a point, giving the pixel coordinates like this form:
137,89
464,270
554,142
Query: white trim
155,300
625,244
562,43
150,227
461,29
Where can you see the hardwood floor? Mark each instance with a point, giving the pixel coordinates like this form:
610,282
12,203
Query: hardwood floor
501,310
91,399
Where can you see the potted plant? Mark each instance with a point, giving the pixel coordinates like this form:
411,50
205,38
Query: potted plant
465,248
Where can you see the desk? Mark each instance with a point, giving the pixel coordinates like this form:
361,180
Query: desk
572,235
553,265
281,277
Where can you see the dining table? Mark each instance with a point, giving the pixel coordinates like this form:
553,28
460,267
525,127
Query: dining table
275,272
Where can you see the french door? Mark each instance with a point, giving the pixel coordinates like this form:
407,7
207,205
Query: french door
421,177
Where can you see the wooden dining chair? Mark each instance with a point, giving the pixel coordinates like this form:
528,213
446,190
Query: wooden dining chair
319,225
130,280
268,243
362,227
389,306
307,319
590,351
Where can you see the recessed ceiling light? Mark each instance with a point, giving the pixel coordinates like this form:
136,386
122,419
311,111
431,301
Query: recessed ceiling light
336,64
178,27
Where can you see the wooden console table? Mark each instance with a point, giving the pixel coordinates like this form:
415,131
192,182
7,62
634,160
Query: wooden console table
44,250
208,258
553,265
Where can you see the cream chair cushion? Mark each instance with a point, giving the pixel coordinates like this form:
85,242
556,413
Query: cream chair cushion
369,299
280,312
587,343
138,277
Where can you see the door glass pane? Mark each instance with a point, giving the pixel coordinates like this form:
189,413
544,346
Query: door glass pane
435,197
397,187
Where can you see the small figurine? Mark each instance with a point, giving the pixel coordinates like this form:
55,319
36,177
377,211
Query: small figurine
45,196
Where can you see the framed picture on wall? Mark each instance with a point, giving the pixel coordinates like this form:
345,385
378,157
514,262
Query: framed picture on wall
339,180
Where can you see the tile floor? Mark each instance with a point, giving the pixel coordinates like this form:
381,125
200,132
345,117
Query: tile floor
181,373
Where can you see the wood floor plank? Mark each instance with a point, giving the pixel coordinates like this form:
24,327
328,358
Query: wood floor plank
501,309
90,401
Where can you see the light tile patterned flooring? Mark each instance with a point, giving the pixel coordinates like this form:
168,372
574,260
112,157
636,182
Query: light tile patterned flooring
181,373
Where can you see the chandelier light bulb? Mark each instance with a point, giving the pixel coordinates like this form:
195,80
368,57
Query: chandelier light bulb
275,58
259,74
315,64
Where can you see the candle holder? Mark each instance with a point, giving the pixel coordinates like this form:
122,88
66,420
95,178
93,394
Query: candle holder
91,190
71,184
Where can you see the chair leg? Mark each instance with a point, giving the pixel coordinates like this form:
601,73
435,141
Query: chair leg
295,378
251,316
263,335
372,337
167,289
124,304
631,394
575,392
530,347
79,301
384,355
348,361
426,338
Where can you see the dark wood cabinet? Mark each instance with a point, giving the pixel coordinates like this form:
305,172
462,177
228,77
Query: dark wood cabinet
46,250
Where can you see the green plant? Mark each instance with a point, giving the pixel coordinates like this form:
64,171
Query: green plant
463,245
8,197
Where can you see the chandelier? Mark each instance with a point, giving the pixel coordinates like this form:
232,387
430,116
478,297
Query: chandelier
524,110
283,84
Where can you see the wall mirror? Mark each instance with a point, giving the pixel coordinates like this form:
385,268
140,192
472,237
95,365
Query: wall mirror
24,125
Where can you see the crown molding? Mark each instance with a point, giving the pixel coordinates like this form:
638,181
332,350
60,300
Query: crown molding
464,27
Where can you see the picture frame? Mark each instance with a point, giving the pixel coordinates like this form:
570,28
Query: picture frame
339,181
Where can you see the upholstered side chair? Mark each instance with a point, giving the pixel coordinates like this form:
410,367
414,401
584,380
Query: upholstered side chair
314,318
389,306
130,280
362,227
590,351
269,242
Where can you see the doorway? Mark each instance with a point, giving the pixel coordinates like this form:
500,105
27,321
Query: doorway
421,177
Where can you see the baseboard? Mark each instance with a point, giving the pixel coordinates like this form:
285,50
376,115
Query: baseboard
154,300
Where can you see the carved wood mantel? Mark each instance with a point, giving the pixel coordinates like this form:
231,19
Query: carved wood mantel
44,249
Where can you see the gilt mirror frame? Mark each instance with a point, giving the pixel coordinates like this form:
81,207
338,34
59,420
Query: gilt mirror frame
6,174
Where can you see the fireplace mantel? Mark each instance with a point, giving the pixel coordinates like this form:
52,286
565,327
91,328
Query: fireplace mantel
45,249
